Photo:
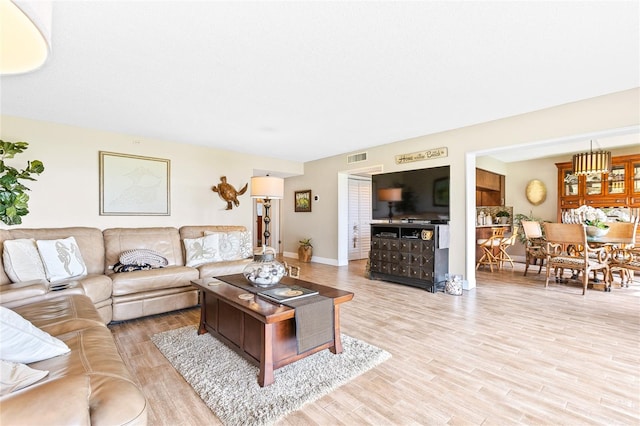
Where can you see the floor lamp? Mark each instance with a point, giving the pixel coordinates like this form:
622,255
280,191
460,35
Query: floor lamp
267,188
390,195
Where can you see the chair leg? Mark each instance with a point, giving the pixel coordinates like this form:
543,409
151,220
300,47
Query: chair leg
487,259
546,284
504,257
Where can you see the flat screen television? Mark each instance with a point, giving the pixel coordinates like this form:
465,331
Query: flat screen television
420,195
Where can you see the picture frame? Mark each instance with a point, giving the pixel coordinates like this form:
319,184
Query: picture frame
441,192
302,201
133,185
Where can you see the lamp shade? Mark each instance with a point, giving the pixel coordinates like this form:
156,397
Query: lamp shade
25,31
390,194
267,187
591,162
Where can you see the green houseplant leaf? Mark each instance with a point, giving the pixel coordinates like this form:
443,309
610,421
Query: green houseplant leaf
14,201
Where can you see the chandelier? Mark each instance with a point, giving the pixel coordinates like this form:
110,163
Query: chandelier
591,162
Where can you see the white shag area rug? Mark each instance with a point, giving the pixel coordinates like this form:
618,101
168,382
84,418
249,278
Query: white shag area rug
228,383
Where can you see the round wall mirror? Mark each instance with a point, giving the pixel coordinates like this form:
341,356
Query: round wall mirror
536,192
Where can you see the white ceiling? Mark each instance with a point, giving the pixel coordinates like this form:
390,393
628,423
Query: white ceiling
306,80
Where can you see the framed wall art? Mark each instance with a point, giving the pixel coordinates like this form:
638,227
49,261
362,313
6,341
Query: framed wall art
303,201
131,185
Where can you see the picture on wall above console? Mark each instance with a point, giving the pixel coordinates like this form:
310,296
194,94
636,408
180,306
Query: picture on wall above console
302,201
132,185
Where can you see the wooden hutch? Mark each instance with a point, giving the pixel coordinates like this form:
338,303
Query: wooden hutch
620,187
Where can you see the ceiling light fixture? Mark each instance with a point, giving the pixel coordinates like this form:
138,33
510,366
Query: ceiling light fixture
591,162
25,35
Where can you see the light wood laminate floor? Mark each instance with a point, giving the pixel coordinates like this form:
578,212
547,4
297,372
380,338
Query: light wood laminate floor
508,352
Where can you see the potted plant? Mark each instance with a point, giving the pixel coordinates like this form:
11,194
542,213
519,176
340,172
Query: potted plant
13,197
305,250
503,215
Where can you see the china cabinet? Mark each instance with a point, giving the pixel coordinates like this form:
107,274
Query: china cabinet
620,187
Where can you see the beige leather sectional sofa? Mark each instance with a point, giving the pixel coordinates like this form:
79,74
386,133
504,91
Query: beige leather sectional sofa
88,385
125,295
91,384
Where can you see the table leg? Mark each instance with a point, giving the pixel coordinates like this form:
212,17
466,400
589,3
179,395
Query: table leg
337,346
265,376
203,313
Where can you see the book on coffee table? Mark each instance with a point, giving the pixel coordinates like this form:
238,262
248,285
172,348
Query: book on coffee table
285,294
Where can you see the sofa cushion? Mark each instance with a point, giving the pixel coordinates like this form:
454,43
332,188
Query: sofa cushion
22,260
15,376
61,315
153,279
163,240
214,269
62,258
23,342
90,241
202,250
36,406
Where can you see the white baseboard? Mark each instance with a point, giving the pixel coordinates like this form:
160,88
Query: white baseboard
314,259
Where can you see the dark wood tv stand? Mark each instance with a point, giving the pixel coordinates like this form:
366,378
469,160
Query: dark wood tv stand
415,254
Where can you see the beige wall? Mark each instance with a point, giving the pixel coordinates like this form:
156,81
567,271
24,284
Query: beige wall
606,113
66,194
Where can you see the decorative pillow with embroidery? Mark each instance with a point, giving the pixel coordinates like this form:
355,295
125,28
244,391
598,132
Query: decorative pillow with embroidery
62,259
246,244
15,376
234,245
21,341
22,261
202,250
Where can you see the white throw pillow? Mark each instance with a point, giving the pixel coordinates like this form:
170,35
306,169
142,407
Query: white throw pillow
15,376
202,250
21,341
22,261
234,245
230,245
246,244
62,259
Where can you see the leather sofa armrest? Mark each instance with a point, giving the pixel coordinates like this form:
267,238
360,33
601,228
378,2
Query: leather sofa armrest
12,293
61,401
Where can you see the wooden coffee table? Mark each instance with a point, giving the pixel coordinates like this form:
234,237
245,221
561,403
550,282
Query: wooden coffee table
261,331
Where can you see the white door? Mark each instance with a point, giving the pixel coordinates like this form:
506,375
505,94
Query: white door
359,217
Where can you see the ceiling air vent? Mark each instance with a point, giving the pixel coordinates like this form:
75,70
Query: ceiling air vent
356,158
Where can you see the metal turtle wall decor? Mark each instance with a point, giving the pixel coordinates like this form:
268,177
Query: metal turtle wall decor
228,193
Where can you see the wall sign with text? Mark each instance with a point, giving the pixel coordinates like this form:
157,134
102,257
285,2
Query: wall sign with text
429,154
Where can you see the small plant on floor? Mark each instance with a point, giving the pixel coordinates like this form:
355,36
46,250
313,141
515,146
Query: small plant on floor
13,197
305,250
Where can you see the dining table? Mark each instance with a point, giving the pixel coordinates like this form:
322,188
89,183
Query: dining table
606,240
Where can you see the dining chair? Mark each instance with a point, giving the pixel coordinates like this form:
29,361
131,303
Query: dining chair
505,243
534,244
567,248
625,231
491,248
